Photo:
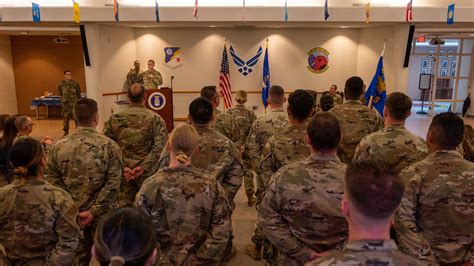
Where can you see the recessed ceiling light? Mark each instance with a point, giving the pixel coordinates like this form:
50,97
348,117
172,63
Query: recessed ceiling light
24,32
212,26
344,27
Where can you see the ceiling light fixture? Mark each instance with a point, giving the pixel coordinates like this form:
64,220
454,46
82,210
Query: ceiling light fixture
344,27
212,26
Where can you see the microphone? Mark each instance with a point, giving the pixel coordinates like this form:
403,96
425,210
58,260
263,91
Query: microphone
172,77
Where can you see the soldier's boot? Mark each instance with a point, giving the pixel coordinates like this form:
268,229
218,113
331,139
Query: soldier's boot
251,200
254,251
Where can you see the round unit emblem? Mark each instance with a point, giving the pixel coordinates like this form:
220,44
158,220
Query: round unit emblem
318,60
156,101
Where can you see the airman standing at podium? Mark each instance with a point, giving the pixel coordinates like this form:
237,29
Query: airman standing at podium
151,78
134,75
70,92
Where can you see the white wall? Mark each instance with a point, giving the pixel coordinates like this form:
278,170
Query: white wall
8,103
202,52
352,52
110,50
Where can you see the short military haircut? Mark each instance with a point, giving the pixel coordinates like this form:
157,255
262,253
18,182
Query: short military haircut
67,71
373,188
447,130
85,110
200,111
324,131
209,92
276,94
151,60
326,102
136,93
398,105
300,103
354,88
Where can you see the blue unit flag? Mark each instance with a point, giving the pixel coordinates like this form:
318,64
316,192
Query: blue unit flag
377,91
35,12
266,78
450,19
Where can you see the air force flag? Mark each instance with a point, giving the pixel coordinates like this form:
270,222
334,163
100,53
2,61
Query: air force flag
245,67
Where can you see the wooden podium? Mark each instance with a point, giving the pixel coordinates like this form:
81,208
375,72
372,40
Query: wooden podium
160,101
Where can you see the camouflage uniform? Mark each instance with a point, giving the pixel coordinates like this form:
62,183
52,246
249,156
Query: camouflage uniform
151,79
367,252
262,129
89,166
141,134
300,211
437,209
37,224
70,92
133,77
225,124
337,99
191,215
219,157
281,149
357,121
395,145
244,118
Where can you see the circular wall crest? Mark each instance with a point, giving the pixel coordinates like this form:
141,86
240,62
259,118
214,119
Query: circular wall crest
318,60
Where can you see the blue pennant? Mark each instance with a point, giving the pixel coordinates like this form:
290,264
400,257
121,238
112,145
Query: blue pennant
245,67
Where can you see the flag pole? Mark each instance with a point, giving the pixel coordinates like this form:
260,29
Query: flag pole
381,55
266,51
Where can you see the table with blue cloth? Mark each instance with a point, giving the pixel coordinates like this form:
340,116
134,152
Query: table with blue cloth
46,102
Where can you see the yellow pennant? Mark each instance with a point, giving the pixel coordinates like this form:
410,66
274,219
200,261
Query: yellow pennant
77,13
367,12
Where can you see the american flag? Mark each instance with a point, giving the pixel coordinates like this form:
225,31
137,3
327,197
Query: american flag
224,80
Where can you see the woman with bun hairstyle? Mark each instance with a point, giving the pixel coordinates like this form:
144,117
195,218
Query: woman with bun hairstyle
125,237
37,220
188,207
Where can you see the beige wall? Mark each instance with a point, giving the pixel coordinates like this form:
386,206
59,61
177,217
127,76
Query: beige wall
8,103
352,52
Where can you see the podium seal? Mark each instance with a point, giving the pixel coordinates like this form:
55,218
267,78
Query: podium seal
156,101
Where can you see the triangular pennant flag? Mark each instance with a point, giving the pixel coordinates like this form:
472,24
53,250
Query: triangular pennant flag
195,12
409,12
35,12
286,10
116,10
367,12
76,12
243,11
157,11
450,19
326,10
